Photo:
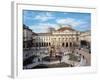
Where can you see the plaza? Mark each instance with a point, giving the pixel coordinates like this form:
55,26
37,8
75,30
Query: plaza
69,59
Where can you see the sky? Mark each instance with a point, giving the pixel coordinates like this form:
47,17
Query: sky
40,21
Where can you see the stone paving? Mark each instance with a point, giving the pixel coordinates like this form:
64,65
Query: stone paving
86,55
86,61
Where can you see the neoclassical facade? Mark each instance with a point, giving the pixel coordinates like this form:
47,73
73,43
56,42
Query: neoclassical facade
63,37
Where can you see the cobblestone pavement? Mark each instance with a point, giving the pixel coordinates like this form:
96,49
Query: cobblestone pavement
86,61
86,55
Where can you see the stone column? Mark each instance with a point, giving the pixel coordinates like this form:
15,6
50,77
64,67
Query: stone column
68,44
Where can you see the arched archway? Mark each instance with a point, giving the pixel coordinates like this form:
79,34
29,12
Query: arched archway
70,44
49,44
63,44
66,44
85,43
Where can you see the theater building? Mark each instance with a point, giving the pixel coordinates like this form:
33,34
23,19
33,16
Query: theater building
62,37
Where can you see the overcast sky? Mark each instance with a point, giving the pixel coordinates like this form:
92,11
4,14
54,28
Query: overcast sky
40,21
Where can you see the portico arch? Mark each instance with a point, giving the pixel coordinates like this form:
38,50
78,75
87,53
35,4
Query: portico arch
63,44
66,44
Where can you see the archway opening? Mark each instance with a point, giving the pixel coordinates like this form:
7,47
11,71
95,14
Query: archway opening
66,44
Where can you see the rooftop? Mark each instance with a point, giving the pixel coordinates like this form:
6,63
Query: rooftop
65,28
44,34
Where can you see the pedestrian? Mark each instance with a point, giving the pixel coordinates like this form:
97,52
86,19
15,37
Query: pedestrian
60,58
